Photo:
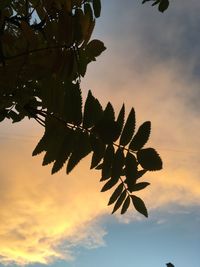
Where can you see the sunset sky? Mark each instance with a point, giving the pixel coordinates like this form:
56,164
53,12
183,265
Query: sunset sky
152,63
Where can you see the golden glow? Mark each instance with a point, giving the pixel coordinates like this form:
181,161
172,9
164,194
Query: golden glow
43,216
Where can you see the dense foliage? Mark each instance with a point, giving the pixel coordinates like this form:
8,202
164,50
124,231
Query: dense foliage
45,47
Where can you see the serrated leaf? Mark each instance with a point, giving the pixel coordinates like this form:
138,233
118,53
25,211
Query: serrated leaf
81,150
50,125
139,186
112,182
129,129
141,137
53,143
116,194
92,111
149,159
98,148
97,7
118,164
130,169
120,120
109,113
73,104
119,201
107,162
139,205
125,205
64,151
41,146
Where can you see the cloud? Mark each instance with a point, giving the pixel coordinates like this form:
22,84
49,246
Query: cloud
39,212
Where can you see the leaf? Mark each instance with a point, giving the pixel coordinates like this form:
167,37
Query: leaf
109,184
92,111
116,194
149,159
120,120
141,137
73,104
139,186
107,162
64,151
130,169
139,205
118,164
164,4
53,143
97,7
50,125
119,201
129,129
125,205
81,150
98,148
109,113
94,49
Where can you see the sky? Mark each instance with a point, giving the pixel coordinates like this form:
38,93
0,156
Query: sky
152,64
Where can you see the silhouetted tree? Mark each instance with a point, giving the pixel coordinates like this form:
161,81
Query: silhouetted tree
45,48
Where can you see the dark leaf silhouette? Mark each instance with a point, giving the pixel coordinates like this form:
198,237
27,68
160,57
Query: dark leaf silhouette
98,148
118,163
81,149
119,201
108,185
116,194
97,7
120,120
125,205
149,159
139,205
92,111
139,186
129,129
141,137
107,162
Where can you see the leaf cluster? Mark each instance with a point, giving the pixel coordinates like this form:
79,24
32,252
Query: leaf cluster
45,48
162,4
117,149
